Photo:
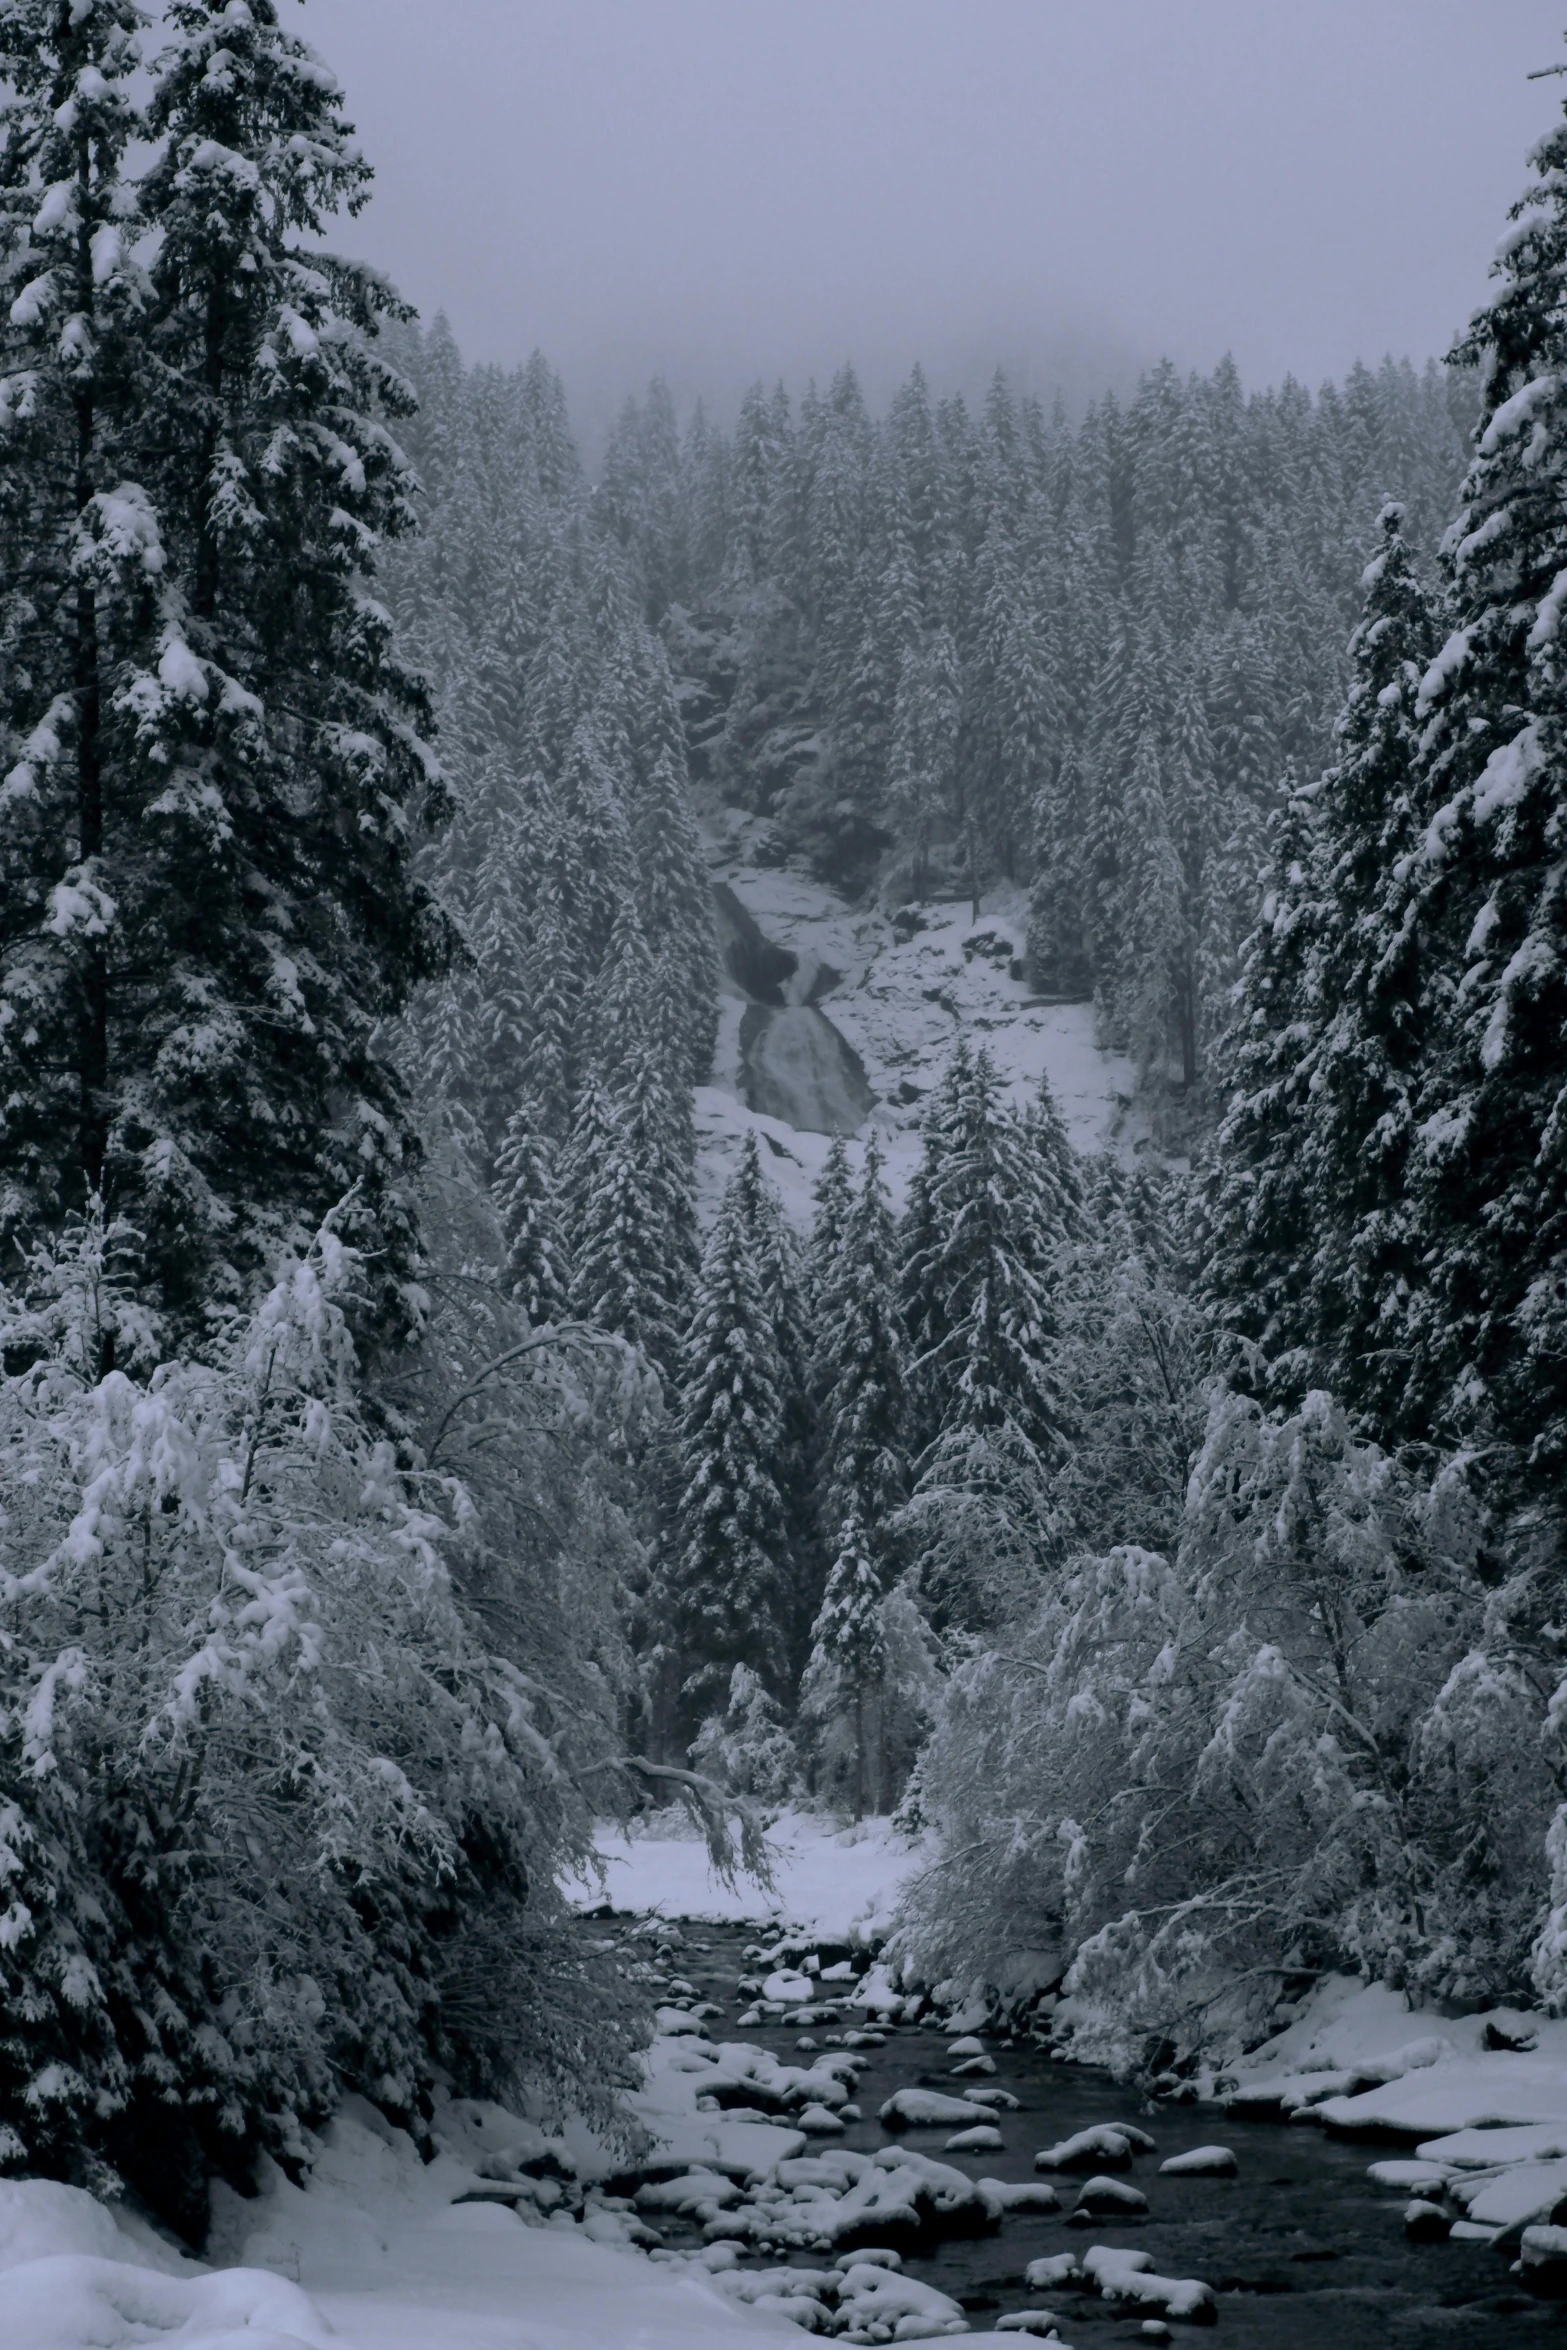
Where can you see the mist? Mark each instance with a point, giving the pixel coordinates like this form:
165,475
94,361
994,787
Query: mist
721,189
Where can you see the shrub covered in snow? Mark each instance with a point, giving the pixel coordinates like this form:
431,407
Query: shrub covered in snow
1311,1740
263,1792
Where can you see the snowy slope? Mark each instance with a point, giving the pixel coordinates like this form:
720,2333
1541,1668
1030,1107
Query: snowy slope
900,1005
840,1882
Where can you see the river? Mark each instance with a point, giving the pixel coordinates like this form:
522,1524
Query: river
1303,2251
795,1065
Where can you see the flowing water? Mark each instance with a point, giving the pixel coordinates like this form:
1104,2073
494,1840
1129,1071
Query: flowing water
795,1065
1302,2249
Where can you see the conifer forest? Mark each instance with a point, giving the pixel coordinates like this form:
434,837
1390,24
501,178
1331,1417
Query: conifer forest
543,1299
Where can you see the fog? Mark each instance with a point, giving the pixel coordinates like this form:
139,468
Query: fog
720,189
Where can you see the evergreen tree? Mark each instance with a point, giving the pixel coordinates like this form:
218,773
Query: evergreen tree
674,894
1355,1024
994,1378
848,1657
832,1199
1486,1336
81,561
922,1293
1258,1208
241,891
536,1271
781,1276
924,753
859,1372
724,1599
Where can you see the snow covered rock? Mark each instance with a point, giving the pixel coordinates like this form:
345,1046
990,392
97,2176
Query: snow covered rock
1105,2198
982,2139
1029,2195
1056,2268
1420,2177
967,2046
1029,2321
926,2109
1107,2145
1129,2276
1507,2200
973,2066
74,2299
788,1990
694,2194
677,2022
872,2298
818,2121
1200,2162
1426,2223
1542,2261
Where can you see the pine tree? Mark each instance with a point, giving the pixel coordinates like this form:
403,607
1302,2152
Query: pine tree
781,1276
848,1656
922,1294
1486,1335
922,765
552,987
1308,1216
725,1587
1258,1210
81,560
859,1371
994,1379
674,893
536,1271
247,866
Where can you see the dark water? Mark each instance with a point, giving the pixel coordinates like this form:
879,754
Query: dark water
1303,2250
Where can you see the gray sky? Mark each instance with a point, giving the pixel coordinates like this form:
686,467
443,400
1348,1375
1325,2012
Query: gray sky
724,188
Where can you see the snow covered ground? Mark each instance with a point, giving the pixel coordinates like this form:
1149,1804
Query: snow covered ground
839,1882
901,1004
377,2255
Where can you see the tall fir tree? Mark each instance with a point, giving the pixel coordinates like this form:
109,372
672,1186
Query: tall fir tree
237,897
1336,1034
537,1271
1486,1332
724,1594
859,1372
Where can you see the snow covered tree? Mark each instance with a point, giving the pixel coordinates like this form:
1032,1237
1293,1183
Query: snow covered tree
1325,1694
79,559
832,1200
922,1293
1257,1210
842,1678
924,752
673,891
239,885
537,1272
859,1372
1483,890
993,1375
252,1873
1338,1046
725,1595
863,1479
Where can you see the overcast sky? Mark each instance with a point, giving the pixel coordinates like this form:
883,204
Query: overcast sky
718,189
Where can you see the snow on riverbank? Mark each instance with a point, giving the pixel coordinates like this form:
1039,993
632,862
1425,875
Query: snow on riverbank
842,1883
377,2254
